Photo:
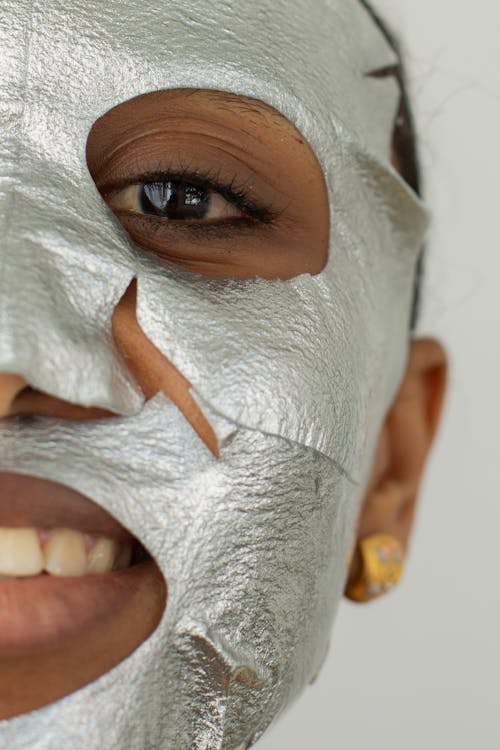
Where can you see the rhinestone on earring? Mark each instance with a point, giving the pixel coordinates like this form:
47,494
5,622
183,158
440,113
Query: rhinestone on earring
382,567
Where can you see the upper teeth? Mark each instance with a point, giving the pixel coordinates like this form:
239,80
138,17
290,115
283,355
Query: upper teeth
61,552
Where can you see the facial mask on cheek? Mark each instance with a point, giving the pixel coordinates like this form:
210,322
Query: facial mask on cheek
295,377
247,617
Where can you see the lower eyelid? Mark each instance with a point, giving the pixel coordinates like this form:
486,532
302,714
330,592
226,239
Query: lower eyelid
150,232
225,229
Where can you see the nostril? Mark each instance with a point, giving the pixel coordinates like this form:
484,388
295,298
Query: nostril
31,402
19,399
26,391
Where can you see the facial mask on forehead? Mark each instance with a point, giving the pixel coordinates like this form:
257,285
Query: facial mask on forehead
294,376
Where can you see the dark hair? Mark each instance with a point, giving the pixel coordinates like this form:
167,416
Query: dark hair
404,144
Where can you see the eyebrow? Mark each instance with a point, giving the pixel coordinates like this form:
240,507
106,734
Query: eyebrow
247,105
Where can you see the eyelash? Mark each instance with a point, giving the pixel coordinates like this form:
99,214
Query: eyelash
210,181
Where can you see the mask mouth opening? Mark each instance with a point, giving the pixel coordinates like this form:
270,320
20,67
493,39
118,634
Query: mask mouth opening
49,528
78,592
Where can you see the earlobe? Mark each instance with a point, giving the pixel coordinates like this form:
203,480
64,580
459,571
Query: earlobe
403,448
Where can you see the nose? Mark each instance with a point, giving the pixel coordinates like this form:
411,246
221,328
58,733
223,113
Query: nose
153,373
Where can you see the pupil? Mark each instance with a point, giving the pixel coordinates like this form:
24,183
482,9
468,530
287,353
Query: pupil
174,200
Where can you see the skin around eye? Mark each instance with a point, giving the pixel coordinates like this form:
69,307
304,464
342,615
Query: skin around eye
216,183
174,200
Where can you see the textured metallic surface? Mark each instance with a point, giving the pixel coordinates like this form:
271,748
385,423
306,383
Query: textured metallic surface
248,613
294,376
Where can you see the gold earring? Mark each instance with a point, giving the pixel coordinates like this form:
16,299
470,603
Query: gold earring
382,567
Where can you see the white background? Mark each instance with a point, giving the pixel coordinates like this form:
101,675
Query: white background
420,670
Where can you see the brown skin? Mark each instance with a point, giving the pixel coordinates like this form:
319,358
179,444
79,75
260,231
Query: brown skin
246,142
34,680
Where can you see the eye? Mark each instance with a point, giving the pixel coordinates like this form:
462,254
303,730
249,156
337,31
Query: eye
193,181
174,200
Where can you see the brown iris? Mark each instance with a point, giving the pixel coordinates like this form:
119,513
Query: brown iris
177,201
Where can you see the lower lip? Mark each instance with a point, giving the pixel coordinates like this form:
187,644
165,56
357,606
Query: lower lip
45,611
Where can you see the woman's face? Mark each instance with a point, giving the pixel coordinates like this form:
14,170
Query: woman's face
193,382
262,211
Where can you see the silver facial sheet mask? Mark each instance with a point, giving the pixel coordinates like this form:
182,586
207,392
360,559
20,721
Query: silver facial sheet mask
248,613
295,377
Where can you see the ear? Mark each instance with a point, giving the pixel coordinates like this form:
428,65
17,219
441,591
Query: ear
403,448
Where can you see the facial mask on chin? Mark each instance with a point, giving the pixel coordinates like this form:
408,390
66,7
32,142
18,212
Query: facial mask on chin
294,376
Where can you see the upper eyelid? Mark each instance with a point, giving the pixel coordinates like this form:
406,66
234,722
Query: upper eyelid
163,170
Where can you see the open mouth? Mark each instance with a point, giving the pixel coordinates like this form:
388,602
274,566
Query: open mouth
29,551
78,593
